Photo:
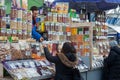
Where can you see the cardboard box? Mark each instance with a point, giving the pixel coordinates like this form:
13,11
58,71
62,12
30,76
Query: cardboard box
1,70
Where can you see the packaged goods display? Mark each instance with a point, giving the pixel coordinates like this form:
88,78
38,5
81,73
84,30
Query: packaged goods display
34,68
3,29
13,13
100,39
4,51
29,69
19,13
56,17
60,28
62,7
23,57
21,23
97,62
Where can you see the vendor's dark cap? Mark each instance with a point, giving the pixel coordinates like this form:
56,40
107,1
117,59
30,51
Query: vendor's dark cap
34,8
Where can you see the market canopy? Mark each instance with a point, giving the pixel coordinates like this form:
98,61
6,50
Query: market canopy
108,1
91,5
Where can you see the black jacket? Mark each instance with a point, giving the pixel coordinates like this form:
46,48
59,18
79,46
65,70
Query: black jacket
62,72
111,70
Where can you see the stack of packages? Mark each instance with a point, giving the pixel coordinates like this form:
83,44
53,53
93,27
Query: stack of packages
21,23
2,24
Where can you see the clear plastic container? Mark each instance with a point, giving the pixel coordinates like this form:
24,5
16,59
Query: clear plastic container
2,11
19,13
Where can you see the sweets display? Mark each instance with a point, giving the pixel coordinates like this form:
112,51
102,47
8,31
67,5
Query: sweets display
3,29
97,61
100,39
29,68
21,23
56,17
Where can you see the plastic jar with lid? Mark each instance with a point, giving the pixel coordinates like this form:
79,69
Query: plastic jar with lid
29,16
24,15
49,17
13,13
2,11
3,23
55,17
19,13
59,18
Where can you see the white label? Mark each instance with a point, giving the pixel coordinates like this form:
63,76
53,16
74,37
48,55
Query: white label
80,32
81,46
25,32
20,32
68,33
37,48
27,53
14,31
8,57
9,31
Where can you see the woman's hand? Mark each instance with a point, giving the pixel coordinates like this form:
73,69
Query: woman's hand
41,39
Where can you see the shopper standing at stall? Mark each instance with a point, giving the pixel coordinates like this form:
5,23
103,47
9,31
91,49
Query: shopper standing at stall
111,69
65,61
35,34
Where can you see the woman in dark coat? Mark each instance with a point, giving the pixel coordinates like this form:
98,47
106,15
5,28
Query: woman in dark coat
64,61
112,63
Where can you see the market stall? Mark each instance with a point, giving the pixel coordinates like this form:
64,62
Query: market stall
24,58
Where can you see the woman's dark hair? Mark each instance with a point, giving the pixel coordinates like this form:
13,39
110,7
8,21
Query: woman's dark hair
68,48
34,8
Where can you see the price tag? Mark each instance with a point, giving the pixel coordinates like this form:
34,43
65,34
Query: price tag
39,53
12,66
3,30
32,64
9,31
61,33
38,48
68,33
